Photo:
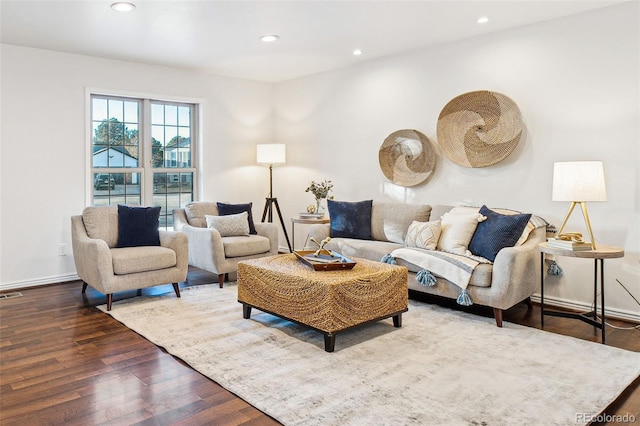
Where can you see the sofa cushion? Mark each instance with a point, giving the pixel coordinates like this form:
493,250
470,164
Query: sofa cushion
423,235
138,226
227,209
239,246
497,232
229,225
366,249
129,260
350,219
390,221
457,231
101,222
196,211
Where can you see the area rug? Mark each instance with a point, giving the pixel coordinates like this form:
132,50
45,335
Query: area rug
441,367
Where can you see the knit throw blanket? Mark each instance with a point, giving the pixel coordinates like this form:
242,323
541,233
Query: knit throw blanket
455,268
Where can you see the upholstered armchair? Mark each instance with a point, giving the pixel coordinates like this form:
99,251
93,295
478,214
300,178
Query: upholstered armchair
109,269
217,250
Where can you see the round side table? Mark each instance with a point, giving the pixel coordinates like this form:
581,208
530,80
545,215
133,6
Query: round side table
601,253
295,220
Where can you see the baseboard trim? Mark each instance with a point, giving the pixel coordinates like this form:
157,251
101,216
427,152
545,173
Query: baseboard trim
557,302
38,282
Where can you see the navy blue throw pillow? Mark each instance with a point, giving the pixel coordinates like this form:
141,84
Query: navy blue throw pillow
226,209
138,226
497,232
350,219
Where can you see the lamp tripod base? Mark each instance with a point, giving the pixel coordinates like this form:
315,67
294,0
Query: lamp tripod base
585,214
268,215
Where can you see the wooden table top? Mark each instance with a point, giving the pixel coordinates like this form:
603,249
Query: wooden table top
602,251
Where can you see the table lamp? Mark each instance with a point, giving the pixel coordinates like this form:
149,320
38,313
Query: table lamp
579,182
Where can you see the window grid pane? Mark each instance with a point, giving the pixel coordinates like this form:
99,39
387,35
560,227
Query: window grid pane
112,135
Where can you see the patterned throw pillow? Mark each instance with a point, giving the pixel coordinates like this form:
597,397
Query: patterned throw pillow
497,232
229,225
423,235
227,209
457,231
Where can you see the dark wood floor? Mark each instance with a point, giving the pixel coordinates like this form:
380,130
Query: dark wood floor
64,362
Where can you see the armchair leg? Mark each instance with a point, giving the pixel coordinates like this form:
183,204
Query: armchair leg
221,279
84,287
109,301
176,288
497,313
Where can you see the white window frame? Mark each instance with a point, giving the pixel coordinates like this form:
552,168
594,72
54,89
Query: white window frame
144,142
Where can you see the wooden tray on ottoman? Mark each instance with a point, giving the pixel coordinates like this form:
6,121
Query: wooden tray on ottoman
325,262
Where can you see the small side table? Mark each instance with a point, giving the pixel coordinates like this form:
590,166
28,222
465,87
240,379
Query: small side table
600,254
295,220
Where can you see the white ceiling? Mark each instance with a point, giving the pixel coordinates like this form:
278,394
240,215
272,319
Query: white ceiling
222,37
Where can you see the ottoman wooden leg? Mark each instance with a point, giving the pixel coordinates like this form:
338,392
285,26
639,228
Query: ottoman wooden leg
329,342
397,320
246,311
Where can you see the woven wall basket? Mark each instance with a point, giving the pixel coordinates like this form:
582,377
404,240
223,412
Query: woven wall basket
479,129
407,157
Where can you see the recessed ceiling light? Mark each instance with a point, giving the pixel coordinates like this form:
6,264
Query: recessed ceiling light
269,38
122,6
357,52
482,20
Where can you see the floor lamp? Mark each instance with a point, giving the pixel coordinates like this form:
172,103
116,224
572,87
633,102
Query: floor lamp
271,155
579,182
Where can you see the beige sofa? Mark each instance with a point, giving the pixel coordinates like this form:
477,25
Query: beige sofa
210,251
512,278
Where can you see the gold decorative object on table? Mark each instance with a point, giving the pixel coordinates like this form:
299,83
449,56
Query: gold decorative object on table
479,129
407,157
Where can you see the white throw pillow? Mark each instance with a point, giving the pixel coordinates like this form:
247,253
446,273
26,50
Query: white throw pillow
457,230
423,235
229,225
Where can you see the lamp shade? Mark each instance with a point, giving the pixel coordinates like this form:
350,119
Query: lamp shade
579,181
271,154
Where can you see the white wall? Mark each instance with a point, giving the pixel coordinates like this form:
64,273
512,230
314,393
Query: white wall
43,136
576,81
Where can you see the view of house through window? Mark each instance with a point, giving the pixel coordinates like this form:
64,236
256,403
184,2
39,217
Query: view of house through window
144,163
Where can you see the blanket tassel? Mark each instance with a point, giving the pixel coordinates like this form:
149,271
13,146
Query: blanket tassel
426,278
387,258
554,269
464,299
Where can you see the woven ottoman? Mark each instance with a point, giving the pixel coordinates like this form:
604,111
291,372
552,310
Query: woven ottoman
327,301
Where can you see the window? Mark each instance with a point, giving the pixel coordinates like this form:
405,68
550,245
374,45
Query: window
142,153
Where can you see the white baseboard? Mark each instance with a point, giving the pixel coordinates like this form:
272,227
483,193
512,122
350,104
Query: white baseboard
620,314
37,282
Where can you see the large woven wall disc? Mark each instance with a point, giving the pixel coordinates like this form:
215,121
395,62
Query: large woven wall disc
479,129
407,157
